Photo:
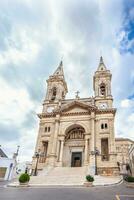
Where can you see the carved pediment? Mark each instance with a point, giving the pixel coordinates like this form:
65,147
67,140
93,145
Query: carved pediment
77,106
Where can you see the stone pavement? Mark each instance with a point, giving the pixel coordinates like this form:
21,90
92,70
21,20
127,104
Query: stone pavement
125,197
62,193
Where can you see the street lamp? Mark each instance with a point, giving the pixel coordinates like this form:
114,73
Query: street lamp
37,155
17,152
96,153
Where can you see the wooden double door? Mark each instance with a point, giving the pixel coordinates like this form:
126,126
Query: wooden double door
76,160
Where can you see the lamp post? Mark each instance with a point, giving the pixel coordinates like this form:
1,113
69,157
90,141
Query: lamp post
37,155
17,152
96,153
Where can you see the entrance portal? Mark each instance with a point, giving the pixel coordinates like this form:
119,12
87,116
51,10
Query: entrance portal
74,145
76,159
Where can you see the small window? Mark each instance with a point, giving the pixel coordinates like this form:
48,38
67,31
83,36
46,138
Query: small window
54,92
45,129
49,129
102,126
104,149
102,89
106,126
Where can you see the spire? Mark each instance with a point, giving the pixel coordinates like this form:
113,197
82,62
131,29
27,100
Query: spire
101,60
59,71
101,66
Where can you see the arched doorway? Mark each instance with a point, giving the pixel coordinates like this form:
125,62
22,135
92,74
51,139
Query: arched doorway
73,153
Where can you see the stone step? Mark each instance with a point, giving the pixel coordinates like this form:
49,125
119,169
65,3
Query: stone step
61,176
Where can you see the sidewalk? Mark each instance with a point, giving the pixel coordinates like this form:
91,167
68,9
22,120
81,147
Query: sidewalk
3,183
107,180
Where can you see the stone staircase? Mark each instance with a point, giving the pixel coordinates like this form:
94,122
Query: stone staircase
73,176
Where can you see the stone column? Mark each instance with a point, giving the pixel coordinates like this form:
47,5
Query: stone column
58,149
86,152
61,151
92,144
54,142
112,151
55,136
111,136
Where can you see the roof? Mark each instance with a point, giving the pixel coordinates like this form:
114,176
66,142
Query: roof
59,71
101,66
2,154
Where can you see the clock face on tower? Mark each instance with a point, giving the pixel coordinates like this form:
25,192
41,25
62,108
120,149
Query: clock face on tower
50,109
103,105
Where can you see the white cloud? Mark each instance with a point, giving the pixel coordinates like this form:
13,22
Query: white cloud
131,118
22,47
14,103
127,103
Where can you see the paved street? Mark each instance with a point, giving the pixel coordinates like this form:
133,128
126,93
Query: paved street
3,183
99,193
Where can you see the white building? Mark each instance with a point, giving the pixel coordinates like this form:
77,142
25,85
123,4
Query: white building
6,166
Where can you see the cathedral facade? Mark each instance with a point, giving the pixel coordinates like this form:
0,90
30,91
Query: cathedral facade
78,132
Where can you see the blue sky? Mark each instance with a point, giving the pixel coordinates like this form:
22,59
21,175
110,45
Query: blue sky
35,35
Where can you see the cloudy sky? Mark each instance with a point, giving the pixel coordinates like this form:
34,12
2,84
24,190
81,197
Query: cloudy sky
35,35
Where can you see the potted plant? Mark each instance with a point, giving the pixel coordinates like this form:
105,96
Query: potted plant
24,179
129,181
89,181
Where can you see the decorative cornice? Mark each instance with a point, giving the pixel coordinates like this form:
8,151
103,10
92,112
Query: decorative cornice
74,113
57,120
108,110
88,112
43,115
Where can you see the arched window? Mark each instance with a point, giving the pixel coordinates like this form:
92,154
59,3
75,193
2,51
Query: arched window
102,126
105,125
102,89
75,133
54,92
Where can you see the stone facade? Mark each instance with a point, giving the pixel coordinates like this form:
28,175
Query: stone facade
131,158
122,147
78,132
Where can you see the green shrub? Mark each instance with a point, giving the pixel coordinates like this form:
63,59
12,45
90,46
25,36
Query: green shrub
24,178
89,178
129,178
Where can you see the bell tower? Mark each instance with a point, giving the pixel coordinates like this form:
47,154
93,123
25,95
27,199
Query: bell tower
102,86
56,85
